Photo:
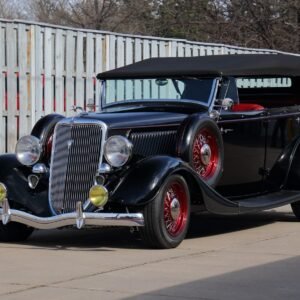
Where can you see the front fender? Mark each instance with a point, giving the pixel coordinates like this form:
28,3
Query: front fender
143,181
14,176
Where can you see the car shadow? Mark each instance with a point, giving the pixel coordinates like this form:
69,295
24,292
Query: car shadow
205,224
108,239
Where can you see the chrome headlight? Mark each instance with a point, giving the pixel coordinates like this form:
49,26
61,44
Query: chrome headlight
28,150
117,150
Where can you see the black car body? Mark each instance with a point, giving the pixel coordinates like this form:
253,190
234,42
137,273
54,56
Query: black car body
173,134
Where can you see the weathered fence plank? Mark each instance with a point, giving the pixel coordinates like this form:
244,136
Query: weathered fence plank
48,66
59,68
43,103
79,91
90,69
70,59
23,101
3,142
11,92
98,64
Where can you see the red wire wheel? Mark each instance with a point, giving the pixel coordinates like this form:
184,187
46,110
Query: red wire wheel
205,153
175,208
167,216
201,145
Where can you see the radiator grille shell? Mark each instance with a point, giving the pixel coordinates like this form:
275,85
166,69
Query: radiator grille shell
76,155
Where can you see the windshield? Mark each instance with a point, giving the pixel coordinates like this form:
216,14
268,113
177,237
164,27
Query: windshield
158,90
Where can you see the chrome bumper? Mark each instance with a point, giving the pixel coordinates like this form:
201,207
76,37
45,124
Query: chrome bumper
78,218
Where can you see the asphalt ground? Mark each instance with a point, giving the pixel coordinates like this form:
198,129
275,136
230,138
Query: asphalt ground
255,256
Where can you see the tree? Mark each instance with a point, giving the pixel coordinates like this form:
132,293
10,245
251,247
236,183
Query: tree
270,24
109,15
11,9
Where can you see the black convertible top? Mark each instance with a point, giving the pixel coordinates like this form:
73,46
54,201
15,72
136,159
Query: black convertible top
226,65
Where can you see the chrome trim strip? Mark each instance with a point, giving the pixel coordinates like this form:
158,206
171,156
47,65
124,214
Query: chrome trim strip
78,219
72,121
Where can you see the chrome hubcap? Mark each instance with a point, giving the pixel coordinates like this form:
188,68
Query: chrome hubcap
175,209
205,154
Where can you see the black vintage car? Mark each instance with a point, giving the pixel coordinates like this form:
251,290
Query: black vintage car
218,133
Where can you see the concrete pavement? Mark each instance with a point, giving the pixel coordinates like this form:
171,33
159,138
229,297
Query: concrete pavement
251,257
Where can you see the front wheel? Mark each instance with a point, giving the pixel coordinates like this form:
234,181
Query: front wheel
167,216
14,232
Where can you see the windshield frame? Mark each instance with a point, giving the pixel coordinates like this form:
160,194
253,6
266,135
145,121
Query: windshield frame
208,104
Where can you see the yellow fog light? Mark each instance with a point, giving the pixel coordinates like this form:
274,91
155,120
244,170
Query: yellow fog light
98,195
3,192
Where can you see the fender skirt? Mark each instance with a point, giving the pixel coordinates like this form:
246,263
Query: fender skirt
20,196
143,181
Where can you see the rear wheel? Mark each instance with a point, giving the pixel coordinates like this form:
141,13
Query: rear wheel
167,216
14,232
201,145
296,209
206,153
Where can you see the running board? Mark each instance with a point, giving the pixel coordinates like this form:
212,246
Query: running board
268,201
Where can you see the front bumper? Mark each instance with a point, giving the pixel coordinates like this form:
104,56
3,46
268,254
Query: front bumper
77,218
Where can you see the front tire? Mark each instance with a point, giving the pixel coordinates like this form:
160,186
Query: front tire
167,216
14,232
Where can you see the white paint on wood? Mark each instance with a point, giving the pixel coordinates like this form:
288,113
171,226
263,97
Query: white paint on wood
98,65
32,68
36,58
137,58
162,49
24,83
70,59
137,50
111,53
11,47
59,68
48,66
128,60
90,67
79,91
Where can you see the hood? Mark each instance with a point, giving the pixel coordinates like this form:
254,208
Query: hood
120,120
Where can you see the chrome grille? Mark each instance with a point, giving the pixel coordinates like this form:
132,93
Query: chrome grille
76,156
154,142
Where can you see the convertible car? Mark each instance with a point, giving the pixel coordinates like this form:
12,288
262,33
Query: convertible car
172,135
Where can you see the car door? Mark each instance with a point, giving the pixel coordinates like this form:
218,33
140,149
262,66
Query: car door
253,143
244,138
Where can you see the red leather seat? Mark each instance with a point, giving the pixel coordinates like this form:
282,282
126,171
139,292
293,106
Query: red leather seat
246,107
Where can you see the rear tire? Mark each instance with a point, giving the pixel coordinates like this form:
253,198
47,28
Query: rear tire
167,216
201,145
296,209
14,232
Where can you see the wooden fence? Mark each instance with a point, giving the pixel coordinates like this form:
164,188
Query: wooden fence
45,68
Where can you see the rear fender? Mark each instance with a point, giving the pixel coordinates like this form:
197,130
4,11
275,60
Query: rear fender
292,178
286,171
